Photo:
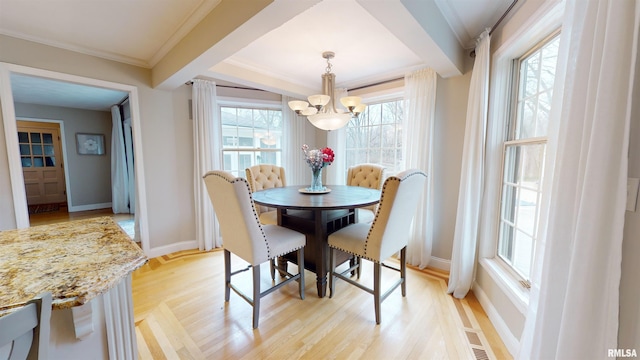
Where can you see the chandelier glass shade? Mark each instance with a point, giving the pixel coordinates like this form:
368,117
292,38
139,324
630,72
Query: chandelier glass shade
321,110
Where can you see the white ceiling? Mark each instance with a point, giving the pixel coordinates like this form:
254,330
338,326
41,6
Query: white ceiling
374,40
30,89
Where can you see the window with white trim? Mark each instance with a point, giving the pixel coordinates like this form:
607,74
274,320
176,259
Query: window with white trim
250,136
524,151
376,136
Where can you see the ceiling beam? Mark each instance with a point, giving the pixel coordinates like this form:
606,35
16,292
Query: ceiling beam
229,27
420,25
243,76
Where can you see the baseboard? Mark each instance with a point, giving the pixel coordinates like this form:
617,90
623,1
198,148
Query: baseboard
75,208
439,263
168,249
510,341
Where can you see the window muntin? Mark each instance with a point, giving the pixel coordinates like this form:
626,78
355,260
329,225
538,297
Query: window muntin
524,152
376,136
250,136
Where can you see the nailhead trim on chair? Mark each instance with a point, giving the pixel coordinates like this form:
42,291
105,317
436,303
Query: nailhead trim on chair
389,179
255,213
369,175
358,255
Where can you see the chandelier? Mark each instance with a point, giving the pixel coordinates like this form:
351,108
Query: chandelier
321,109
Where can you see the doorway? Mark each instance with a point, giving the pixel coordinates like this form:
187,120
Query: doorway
42,164
13,153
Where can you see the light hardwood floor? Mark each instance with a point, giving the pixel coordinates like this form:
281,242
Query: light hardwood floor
180,313
62,216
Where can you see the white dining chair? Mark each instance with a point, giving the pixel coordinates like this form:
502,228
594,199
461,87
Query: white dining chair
244,236
266,176
384,237
370,176
24,333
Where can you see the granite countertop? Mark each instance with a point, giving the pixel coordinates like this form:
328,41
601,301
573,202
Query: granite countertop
75,261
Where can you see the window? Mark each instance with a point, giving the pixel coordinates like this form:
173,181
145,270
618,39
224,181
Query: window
376,136
250,136
523,157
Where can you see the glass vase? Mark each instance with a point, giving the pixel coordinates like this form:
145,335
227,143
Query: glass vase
316,180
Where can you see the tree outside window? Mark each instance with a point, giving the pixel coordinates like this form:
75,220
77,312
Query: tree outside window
376,136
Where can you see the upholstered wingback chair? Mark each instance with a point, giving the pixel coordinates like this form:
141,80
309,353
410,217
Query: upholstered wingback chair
246,237
385,236
370,176
266,176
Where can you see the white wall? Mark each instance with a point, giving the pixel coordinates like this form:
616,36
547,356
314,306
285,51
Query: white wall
451,111
89,175
7,215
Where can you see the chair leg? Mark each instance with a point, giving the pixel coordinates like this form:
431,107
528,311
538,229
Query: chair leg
377,269
301,272
403,270
359,269
332,264
227,275
256,295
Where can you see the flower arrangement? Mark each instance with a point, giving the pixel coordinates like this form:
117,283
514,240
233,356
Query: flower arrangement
318,158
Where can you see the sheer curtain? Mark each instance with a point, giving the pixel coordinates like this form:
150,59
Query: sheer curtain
207,154
336,174
418,125
131,174
465,237
573,308
293,139
119,178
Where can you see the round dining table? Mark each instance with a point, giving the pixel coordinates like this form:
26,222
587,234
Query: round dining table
317,215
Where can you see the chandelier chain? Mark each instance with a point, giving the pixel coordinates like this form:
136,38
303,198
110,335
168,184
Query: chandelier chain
328,68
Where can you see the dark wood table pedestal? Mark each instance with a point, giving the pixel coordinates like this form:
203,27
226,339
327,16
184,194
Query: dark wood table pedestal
317,228
322,215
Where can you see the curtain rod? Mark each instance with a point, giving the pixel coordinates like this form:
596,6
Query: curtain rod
124,100
358,88
493,28
376,84
229,86
502,17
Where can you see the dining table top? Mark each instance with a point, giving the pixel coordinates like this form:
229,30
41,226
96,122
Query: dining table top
338,197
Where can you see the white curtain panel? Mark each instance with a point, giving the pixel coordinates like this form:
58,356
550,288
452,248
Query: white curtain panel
573,306
336,173
418,125
131,175
207,153
465,237
296,168
119,179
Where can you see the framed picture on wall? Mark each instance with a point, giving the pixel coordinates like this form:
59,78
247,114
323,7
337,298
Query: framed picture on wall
90,144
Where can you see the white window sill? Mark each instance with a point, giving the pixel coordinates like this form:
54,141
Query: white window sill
517,293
